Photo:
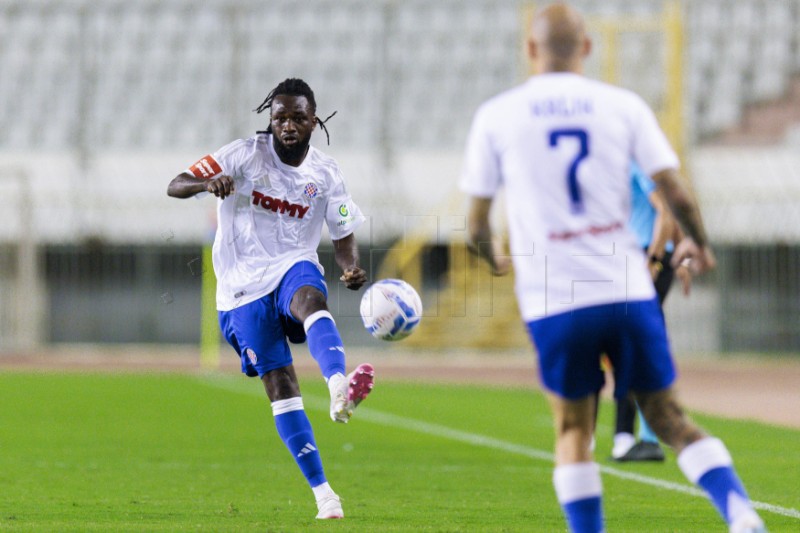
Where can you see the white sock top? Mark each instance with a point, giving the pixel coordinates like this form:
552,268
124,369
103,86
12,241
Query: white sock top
285,406
313,317
701,456
322,490
578,481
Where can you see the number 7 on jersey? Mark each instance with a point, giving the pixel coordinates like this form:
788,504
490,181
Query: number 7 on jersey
576,202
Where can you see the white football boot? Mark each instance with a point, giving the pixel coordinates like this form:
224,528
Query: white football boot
329,506
348,392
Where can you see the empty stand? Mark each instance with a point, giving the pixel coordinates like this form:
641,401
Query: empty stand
172,74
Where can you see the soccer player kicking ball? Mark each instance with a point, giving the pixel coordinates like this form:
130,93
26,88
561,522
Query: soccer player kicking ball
561,145
275,191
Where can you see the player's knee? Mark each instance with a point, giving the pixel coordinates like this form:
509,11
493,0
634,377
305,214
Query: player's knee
281,384
573,439
574,416
308,300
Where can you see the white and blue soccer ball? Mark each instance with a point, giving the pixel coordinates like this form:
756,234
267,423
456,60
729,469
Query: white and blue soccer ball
391,309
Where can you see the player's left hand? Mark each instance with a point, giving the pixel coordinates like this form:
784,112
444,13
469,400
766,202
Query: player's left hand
221,187
701,258
354,278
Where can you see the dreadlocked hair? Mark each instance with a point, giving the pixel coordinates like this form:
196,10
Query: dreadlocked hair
294,87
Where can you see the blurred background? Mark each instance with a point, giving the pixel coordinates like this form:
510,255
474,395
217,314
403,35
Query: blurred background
103,102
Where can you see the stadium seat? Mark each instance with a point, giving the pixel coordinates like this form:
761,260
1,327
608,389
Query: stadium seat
142,66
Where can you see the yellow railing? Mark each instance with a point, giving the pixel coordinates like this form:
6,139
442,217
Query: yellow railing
209,325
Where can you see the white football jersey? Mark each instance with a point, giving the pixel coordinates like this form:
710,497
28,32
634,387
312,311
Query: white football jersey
274,218
562,145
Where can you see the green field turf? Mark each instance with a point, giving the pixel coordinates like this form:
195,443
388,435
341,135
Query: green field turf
150,452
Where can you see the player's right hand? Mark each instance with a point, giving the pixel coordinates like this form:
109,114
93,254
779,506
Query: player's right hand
500,260
494,254
221,186
501,266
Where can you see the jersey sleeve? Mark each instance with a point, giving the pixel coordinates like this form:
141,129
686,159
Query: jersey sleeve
225,161
342,215
480,175
651,149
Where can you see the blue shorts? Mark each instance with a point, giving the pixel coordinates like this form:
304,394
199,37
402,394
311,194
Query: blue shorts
258,330
632,334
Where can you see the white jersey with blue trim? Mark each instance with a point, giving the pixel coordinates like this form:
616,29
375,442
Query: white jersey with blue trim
274,218
561,146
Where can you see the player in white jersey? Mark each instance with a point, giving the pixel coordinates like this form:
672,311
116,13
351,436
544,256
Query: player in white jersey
561,146
275,192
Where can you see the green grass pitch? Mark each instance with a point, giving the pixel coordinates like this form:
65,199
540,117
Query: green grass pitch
155,452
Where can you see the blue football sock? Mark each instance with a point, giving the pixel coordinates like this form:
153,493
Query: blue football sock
719,483
584,516
325,343
646,433
296,433
707,463
579,491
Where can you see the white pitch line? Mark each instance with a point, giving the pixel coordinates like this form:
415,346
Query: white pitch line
474,439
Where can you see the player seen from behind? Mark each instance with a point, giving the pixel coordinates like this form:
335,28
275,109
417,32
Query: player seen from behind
274,193
561,146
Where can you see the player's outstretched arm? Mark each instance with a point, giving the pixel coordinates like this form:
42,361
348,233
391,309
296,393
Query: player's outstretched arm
694,247
346,255
185,185
480,239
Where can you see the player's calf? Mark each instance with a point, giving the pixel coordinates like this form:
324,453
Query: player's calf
666,418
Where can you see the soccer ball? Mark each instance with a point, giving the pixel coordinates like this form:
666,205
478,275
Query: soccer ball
391,309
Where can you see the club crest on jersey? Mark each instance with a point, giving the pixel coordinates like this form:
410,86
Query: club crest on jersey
311,191
252,356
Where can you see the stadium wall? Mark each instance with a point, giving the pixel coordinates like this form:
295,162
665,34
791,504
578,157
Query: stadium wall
113,246
113,100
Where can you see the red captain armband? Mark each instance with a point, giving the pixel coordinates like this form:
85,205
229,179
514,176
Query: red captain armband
206,168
